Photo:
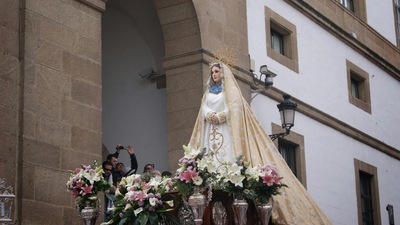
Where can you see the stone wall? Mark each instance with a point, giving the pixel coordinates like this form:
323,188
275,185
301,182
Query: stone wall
51,102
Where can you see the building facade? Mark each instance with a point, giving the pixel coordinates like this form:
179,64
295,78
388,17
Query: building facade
78,76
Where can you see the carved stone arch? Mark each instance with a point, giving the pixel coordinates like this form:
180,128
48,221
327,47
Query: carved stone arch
183,66
192,30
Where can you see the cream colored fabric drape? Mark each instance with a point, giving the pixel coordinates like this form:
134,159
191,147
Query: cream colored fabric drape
295,205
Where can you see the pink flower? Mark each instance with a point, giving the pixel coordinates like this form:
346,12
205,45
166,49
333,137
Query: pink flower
183,160
87,190
79,184
87,168
187,175
268,179
77,170
136,196
74,193
145,186
278,180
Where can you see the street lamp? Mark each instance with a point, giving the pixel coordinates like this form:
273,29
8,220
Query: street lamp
287,109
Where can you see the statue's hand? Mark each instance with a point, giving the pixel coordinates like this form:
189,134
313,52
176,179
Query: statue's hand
214,119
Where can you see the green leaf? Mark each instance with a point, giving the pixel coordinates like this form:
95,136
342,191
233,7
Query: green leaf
121,222
171,220
111,197
153,219
143,218
136,221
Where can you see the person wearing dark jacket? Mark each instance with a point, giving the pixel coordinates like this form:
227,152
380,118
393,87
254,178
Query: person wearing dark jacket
119,173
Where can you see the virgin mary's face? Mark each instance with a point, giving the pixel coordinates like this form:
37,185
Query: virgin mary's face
216,74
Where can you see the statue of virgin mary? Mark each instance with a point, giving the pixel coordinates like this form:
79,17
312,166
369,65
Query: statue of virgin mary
227,127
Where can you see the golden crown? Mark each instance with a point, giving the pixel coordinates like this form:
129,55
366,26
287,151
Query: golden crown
226,56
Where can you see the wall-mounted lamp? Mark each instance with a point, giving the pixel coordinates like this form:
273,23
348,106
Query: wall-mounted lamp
149,74
154,77
6,202
268,75
287,109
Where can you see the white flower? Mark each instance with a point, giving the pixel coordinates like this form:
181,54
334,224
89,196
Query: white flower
207,163
92,176
170,203
99,170
152,201
137,211
191,153
235,169
155,182
128,206
252,173
202,163
128,195
197,180
237,180
117,192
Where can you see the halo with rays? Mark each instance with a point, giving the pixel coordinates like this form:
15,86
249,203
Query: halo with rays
225,55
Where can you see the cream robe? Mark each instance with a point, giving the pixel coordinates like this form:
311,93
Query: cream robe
248,138
216,138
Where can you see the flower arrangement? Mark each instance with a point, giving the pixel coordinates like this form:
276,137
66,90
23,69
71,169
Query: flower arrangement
234,179
257,183
199,169
143,199
196,170
85,182
263,182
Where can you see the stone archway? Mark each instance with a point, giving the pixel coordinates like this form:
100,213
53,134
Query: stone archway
192,29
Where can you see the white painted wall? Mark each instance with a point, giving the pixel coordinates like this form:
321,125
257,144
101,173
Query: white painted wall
381,17
322,65
330,165
322,83
134,110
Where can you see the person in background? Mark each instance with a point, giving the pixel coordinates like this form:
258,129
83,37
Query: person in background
148,168
166,174
156,173
107,174
119,168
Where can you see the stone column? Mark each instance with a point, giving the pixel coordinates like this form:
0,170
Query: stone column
50,83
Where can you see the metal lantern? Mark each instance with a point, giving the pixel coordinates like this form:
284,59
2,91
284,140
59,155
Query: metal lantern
287,109
6,202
